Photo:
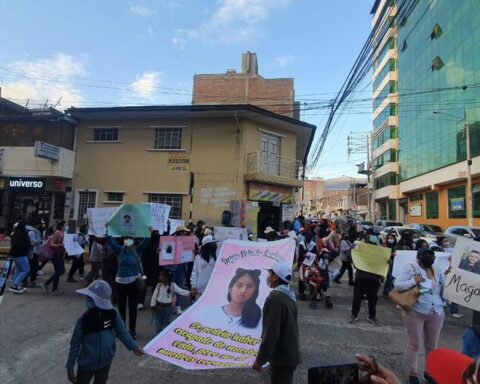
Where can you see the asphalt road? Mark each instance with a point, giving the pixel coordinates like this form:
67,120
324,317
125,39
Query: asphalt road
35,330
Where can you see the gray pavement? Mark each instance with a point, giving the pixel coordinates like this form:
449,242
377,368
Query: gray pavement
35,330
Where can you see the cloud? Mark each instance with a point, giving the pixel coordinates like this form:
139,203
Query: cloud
235,20
140,10
179,42
284,61
146,85
44,79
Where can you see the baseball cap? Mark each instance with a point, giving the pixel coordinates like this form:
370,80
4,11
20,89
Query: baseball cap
447,366
100,292
282,270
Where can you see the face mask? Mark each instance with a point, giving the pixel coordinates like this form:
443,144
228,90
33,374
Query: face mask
390,241
128,242
427,261
90,303
373,239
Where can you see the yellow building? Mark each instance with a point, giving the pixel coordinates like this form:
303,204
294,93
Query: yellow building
201,160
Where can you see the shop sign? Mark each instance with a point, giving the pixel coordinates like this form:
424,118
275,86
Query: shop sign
47,151
59,184
26,183
273,193
416,210
457,204
288,212
178,162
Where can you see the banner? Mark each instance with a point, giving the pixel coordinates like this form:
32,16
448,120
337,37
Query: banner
208,335
462,284
233,233
371,258
176,249
178,162
174,223
131,220
403,260
97,218
70,242
160,214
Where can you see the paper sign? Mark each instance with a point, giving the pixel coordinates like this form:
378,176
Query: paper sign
309,259
176,249
70,242
206,336
160,214
131,220
234,233
371,258
174,223
97,218
462,284
404,260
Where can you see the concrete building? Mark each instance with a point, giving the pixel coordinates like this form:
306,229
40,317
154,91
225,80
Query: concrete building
313,193
435,96
247,87
37,158
206,161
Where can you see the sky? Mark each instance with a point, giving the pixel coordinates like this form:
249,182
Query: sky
145,52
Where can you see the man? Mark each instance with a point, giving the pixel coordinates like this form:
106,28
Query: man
280,344
472,263
270,234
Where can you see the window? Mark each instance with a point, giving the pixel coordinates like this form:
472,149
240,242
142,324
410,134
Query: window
476,200
385,158
168,138
417,197
456,203
436,32
383,137
392,210
85,200
382,119
437,64
105,134
459,231
115,197
174,200
390,178
431,201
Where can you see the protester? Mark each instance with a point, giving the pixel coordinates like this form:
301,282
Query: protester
391,243
151,269
19,250
35,235
92,346
451,367
270,234
179,271
163,300
346,259
298,223
203,266
77,261
420,244
109,268
56,242
280,341
97,253
366,285
405,243
424,322
307,245
471,338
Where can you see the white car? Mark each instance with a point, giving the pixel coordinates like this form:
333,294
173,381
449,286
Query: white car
397,231
461,231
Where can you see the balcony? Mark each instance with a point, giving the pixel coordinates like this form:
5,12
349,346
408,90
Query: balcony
21,161
273,169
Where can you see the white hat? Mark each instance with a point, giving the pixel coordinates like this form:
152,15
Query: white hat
268,230
208,239
282,270
181,228
100,292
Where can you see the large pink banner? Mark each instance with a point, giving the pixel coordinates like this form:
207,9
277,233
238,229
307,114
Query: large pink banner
223,328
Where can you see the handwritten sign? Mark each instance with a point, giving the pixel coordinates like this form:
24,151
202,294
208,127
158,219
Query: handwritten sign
159,213
70,242
371,258
97,218
131,220
462,285
176,249
205,336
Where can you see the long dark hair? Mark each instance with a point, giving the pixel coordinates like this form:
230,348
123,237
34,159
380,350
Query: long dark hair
251,312
209,251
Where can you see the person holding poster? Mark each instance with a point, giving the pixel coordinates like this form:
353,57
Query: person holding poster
203,266
425,321
280,341
56,242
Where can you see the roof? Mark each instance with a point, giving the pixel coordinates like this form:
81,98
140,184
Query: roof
305,131
10,111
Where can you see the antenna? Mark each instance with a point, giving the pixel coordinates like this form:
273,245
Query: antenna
58,102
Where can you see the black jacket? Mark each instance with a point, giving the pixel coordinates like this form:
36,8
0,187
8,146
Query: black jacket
20,245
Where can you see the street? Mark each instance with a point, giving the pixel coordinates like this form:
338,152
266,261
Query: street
36,328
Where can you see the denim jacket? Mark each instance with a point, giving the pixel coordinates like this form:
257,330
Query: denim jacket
471,344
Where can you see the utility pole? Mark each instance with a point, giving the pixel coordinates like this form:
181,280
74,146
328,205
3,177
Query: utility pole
469,172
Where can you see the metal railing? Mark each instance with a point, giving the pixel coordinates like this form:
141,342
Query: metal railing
272,165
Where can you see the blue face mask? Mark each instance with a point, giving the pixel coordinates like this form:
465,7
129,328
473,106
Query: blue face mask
90,303
373,239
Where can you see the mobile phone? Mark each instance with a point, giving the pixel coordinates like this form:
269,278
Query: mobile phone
334,374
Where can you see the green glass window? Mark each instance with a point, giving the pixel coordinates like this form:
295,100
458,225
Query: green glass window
382,118
416,197
456,203
383,210
390,44
384,136
476,200
431,200
390,178
389,66
392,211
386,157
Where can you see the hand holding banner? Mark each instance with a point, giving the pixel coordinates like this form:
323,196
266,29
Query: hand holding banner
131,220
371,258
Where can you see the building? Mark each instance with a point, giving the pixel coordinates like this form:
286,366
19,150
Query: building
37,158
236,164
437,73
247,87
313,192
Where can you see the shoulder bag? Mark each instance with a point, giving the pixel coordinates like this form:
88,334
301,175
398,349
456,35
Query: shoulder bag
405,299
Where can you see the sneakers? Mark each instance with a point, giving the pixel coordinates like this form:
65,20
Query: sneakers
139,306
81,277
457,315
178,310
71,280
353,319
16,289
373,320
39,273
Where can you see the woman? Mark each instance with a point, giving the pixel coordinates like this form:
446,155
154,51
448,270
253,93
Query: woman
346,259
77,260
391,243
424,322
20,247
150,265
95,259
203,266
56,242
421,244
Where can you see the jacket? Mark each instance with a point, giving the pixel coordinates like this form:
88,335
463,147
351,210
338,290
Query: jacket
471,343
92,345
20,244
280,341
129,264
201,273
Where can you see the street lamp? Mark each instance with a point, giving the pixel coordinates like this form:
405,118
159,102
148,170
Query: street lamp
469,164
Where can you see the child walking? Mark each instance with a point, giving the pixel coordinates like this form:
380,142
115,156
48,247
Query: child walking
92,345
163,300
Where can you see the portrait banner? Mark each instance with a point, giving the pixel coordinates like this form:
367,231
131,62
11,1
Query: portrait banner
176,249
210,334
131,220
371,258
462,284
97,218
70,242
160,214
403,260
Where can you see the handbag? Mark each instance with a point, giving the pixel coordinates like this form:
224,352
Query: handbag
46,252
405,299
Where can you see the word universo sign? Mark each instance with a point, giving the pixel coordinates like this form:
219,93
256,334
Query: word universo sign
21,183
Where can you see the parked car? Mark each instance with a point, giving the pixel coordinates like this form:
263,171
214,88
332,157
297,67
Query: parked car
428,229
399,230
380,225
453,233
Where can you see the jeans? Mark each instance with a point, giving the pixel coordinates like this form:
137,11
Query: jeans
100,375
346,266
163,316
128,292
365,286
59,270
22,267
34,268
77,265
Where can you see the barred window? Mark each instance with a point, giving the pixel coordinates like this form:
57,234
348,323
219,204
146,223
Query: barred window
85,200
116,197
168,138
105,134
175,201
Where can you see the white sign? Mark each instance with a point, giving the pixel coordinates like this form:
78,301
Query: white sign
416,210
234,233
462,284
288,212
160,214
70,242
174,223
47,151
97,218
404,259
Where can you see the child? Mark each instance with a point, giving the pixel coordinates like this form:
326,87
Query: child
92,345
313,278
163,299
